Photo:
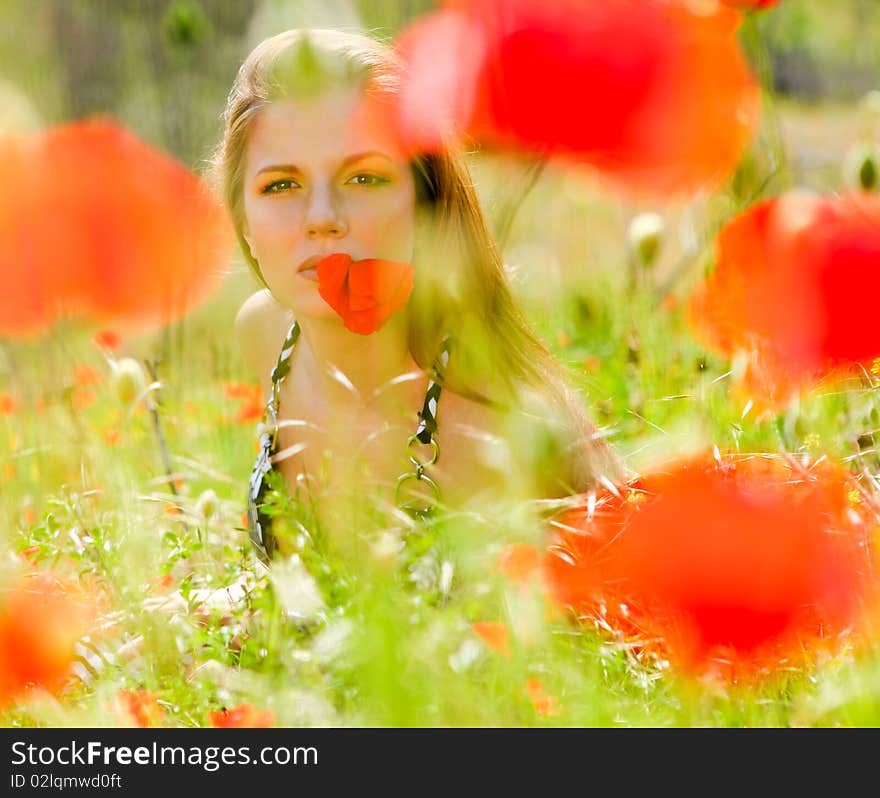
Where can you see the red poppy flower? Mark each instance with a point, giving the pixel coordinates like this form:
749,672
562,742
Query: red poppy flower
819,256
100,224
107,339
751,5
83,398
493,634
252,404
250,411
365,293
519,562
652,92
241,390
544,704
746,561
244,716
8,404
41,619
138,708
86,376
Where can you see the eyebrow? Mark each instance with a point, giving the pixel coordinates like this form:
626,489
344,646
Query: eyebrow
347,161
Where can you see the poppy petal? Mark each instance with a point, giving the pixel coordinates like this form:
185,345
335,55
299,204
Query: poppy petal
654,93
752,560
364,293
137,239
332,274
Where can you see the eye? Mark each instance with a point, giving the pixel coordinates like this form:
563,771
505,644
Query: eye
366,179
277,186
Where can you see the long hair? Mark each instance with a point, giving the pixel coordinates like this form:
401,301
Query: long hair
460,285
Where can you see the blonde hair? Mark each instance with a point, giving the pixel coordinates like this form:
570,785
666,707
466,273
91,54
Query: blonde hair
496,358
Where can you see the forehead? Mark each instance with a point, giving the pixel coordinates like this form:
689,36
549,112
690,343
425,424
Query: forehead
320,131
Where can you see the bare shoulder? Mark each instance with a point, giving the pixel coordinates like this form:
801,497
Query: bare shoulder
461,412
528,447
475,432
260,326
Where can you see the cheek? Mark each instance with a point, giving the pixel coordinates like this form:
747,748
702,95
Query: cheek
273,228
387,227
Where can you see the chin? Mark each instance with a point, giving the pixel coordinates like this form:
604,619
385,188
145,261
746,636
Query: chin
312,308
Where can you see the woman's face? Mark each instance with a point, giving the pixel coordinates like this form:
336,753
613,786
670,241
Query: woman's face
324,175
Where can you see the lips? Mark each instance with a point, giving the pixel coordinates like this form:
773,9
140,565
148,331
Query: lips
365,293
307,267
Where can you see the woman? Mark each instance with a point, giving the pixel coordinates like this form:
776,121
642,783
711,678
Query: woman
454,400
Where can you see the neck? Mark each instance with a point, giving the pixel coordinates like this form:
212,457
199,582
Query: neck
342,366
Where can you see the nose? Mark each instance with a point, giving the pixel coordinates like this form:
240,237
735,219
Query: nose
323,218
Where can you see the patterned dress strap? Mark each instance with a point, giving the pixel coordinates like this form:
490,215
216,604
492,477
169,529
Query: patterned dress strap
277,375
428,413
424,435
259,524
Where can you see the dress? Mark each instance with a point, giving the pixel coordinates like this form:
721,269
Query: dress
259,524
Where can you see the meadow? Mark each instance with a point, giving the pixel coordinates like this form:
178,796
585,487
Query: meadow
124,462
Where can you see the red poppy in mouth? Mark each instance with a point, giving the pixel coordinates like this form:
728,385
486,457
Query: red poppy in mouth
365,293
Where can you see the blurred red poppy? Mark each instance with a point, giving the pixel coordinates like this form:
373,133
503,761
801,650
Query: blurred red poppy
87,376
83,398
236,389
8,404
787,288
655,93
519,562
41,619
544,704
365,293
739,564
250,411
243,716
751,5
138,708
493,634
250,396
95,222
107,339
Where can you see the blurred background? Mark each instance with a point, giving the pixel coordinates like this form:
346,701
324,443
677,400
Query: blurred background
163,67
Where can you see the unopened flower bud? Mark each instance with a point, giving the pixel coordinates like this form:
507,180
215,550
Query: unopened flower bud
861,167
869,105
128,379
207,504
645,234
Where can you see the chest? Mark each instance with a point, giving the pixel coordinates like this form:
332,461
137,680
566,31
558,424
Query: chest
361,450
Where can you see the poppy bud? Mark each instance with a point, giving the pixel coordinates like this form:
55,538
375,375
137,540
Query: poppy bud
128,379
869,105
860,167
207,504
645,234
